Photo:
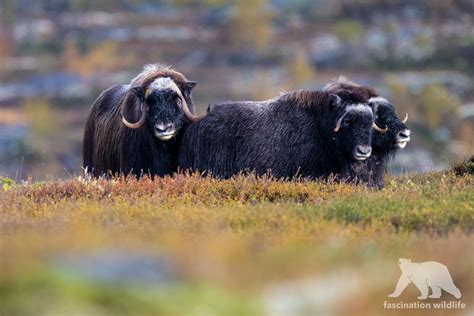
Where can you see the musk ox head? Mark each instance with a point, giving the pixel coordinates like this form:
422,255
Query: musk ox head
162,104
397,134
393,133
353,130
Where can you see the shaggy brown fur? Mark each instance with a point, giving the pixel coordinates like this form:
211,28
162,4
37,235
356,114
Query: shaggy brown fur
111,147
152,71
303,98
290,136
349,90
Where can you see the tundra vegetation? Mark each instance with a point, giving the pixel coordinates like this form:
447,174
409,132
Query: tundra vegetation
246,245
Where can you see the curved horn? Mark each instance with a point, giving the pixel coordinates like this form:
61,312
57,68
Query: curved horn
339,122
378,129
140,122
190,116
405,119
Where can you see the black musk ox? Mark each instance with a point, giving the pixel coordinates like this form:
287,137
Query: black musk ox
385,143
135,128
303,133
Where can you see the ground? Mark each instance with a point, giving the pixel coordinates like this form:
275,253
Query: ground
186,245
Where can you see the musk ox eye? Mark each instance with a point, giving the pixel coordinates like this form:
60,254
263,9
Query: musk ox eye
179,102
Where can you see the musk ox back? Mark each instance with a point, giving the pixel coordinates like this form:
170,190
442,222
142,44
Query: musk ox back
304,133
135,128
394,134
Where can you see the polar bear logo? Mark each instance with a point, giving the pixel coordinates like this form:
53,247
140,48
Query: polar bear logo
425,274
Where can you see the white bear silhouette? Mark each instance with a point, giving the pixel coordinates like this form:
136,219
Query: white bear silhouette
425,274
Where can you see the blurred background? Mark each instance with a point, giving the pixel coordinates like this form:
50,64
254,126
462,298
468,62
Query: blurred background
57,56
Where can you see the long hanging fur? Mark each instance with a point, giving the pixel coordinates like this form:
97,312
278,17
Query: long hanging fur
289,136
109,147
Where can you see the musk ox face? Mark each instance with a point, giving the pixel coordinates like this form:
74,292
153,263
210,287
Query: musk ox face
397,134
165,114
163,107
353,132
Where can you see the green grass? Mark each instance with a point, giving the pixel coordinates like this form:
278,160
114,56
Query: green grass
232,245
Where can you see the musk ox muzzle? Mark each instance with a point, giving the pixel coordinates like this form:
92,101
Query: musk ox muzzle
403,137
164,131
362,152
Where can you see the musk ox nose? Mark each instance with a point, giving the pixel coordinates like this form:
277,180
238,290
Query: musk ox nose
364,149
403,137
164,128
362,152
164,131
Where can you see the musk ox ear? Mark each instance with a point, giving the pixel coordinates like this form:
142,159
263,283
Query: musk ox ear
189,86
336,100
138,92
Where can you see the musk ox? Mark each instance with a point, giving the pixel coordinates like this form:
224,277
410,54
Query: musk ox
385,143
303,133
134,128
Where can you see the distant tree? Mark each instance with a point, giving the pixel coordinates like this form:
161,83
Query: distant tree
90,5
104,57
349,30
7,11
44,128
252,24
217,3
400,97
441,6
260,87
71,58
183,3
301,71
433,117
438,106
465,134
4,50
5,42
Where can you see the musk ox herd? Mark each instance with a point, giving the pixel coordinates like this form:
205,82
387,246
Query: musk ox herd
344,132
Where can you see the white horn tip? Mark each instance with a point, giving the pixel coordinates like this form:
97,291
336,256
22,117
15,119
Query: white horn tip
406,118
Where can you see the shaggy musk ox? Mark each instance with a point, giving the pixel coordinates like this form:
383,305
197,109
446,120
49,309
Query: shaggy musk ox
385,143
133,128
303,133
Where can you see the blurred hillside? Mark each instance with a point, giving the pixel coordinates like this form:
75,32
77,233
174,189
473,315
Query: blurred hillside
57,56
